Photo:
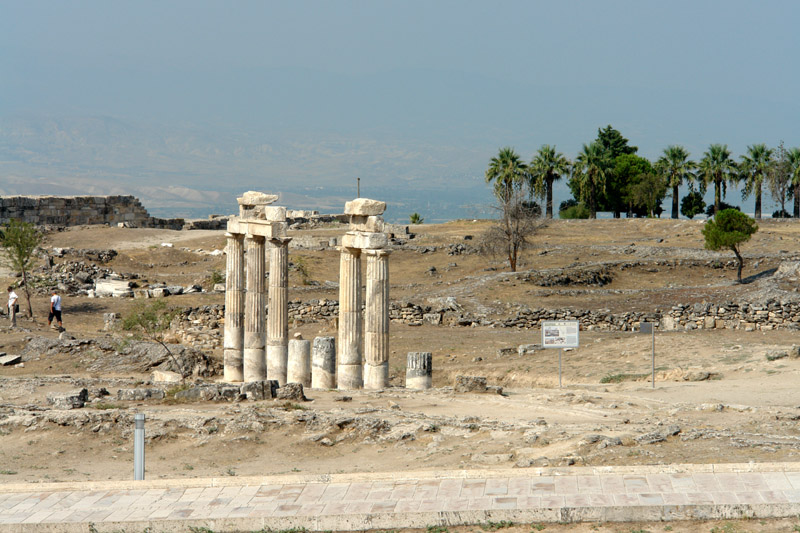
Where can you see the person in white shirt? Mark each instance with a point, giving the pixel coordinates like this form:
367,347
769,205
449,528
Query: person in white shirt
55,310
12,306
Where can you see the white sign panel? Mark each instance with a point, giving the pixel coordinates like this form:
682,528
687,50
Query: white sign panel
560,334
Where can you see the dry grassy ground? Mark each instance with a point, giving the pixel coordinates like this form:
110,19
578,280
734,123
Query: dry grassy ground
747,412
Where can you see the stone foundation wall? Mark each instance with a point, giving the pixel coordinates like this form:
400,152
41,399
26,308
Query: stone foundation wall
80,210
202,326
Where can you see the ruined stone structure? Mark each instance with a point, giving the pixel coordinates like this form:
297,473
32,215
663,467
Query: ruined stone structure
366,237
251,351
79,210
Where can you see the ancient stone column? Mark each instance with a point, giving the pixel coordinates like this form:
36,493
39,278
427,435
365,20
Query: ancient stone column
350,376
255,364
376,320
323,363
233,344
419,370
299,369
278,318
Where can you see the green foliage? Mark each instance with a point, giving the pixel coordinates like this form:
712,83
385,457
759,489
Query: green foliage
546,167
619,378
722,205
216,277
494,526
781,213
728,230
718,168
152,319
676,167
648,193
613,143
626,173
507,172
753,170
415,218
301,266
19,240
588,182
575,211
437,529
692,204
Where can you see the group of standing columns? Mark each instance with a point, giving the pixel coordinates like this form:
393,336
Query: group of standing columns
366,237
256,343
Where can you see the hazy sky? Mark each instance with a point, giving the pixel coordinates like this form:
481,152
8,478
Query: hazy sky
477,75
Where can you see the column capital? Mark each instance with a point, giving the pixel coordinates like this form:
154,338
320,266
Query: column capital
352,251
378,253
280,241
252,237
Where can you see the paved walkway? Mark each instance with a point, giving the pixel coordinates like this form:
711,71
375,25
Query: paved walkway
411,499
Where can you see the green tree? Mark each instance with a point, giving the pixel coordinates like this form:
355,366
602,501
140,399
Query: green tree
153,321
718,168
649,192
617,187
779,181
676,167
625,176
19,241
729,229
793,158
546,167
613,143
753,169
692,204
588,180
508,172
415,218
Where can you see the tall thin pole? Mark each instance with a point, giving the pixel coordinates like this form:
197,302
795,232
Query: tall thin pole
559,368
358,187
654,357
138,447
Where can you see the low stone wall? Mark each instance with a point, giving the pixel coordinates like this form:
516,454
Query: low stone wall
80,210
202,326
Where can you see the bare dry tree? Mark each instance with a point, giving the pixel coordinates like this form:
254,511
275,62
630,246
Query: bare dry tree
519,221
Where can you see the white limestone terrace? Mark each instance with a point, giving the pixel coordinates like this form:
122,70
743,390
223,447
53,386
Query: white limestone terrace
352,502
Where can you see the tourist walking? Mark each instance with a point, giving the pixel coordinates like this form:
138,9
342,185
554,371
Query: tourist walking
13,306
55,310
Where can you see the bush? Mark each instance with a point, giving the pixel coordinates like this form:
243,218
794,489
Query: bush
692,204
722,207
575,211
781,213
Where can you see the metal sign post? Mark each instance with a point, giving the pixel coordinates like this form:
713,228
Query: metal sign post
138,447
560,334
647,327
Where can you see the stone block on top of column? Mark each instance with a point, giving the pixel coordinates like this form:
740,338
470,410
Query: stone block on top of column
258,228
371,224
364,207
365,241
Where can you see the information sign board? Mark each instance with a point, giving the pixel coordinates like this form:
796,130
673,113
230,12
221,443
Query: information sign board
560,334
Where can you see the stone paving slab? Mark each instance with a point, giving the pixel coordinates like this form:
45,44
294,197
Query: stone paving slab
411,499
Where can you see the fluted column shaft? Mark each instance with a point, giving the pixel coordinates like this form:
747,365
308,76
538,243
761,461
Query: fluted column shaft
350,375
278,318
233,344
376,318
255,364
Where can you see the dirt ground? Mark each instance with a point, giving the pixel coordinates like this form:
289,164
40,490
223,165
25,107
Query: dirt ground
743,408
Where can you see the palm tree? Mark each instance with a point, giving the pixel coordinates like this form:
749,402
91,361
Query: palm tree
590,175
675,166
507,171
718,168
794,176
753,169
546,167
